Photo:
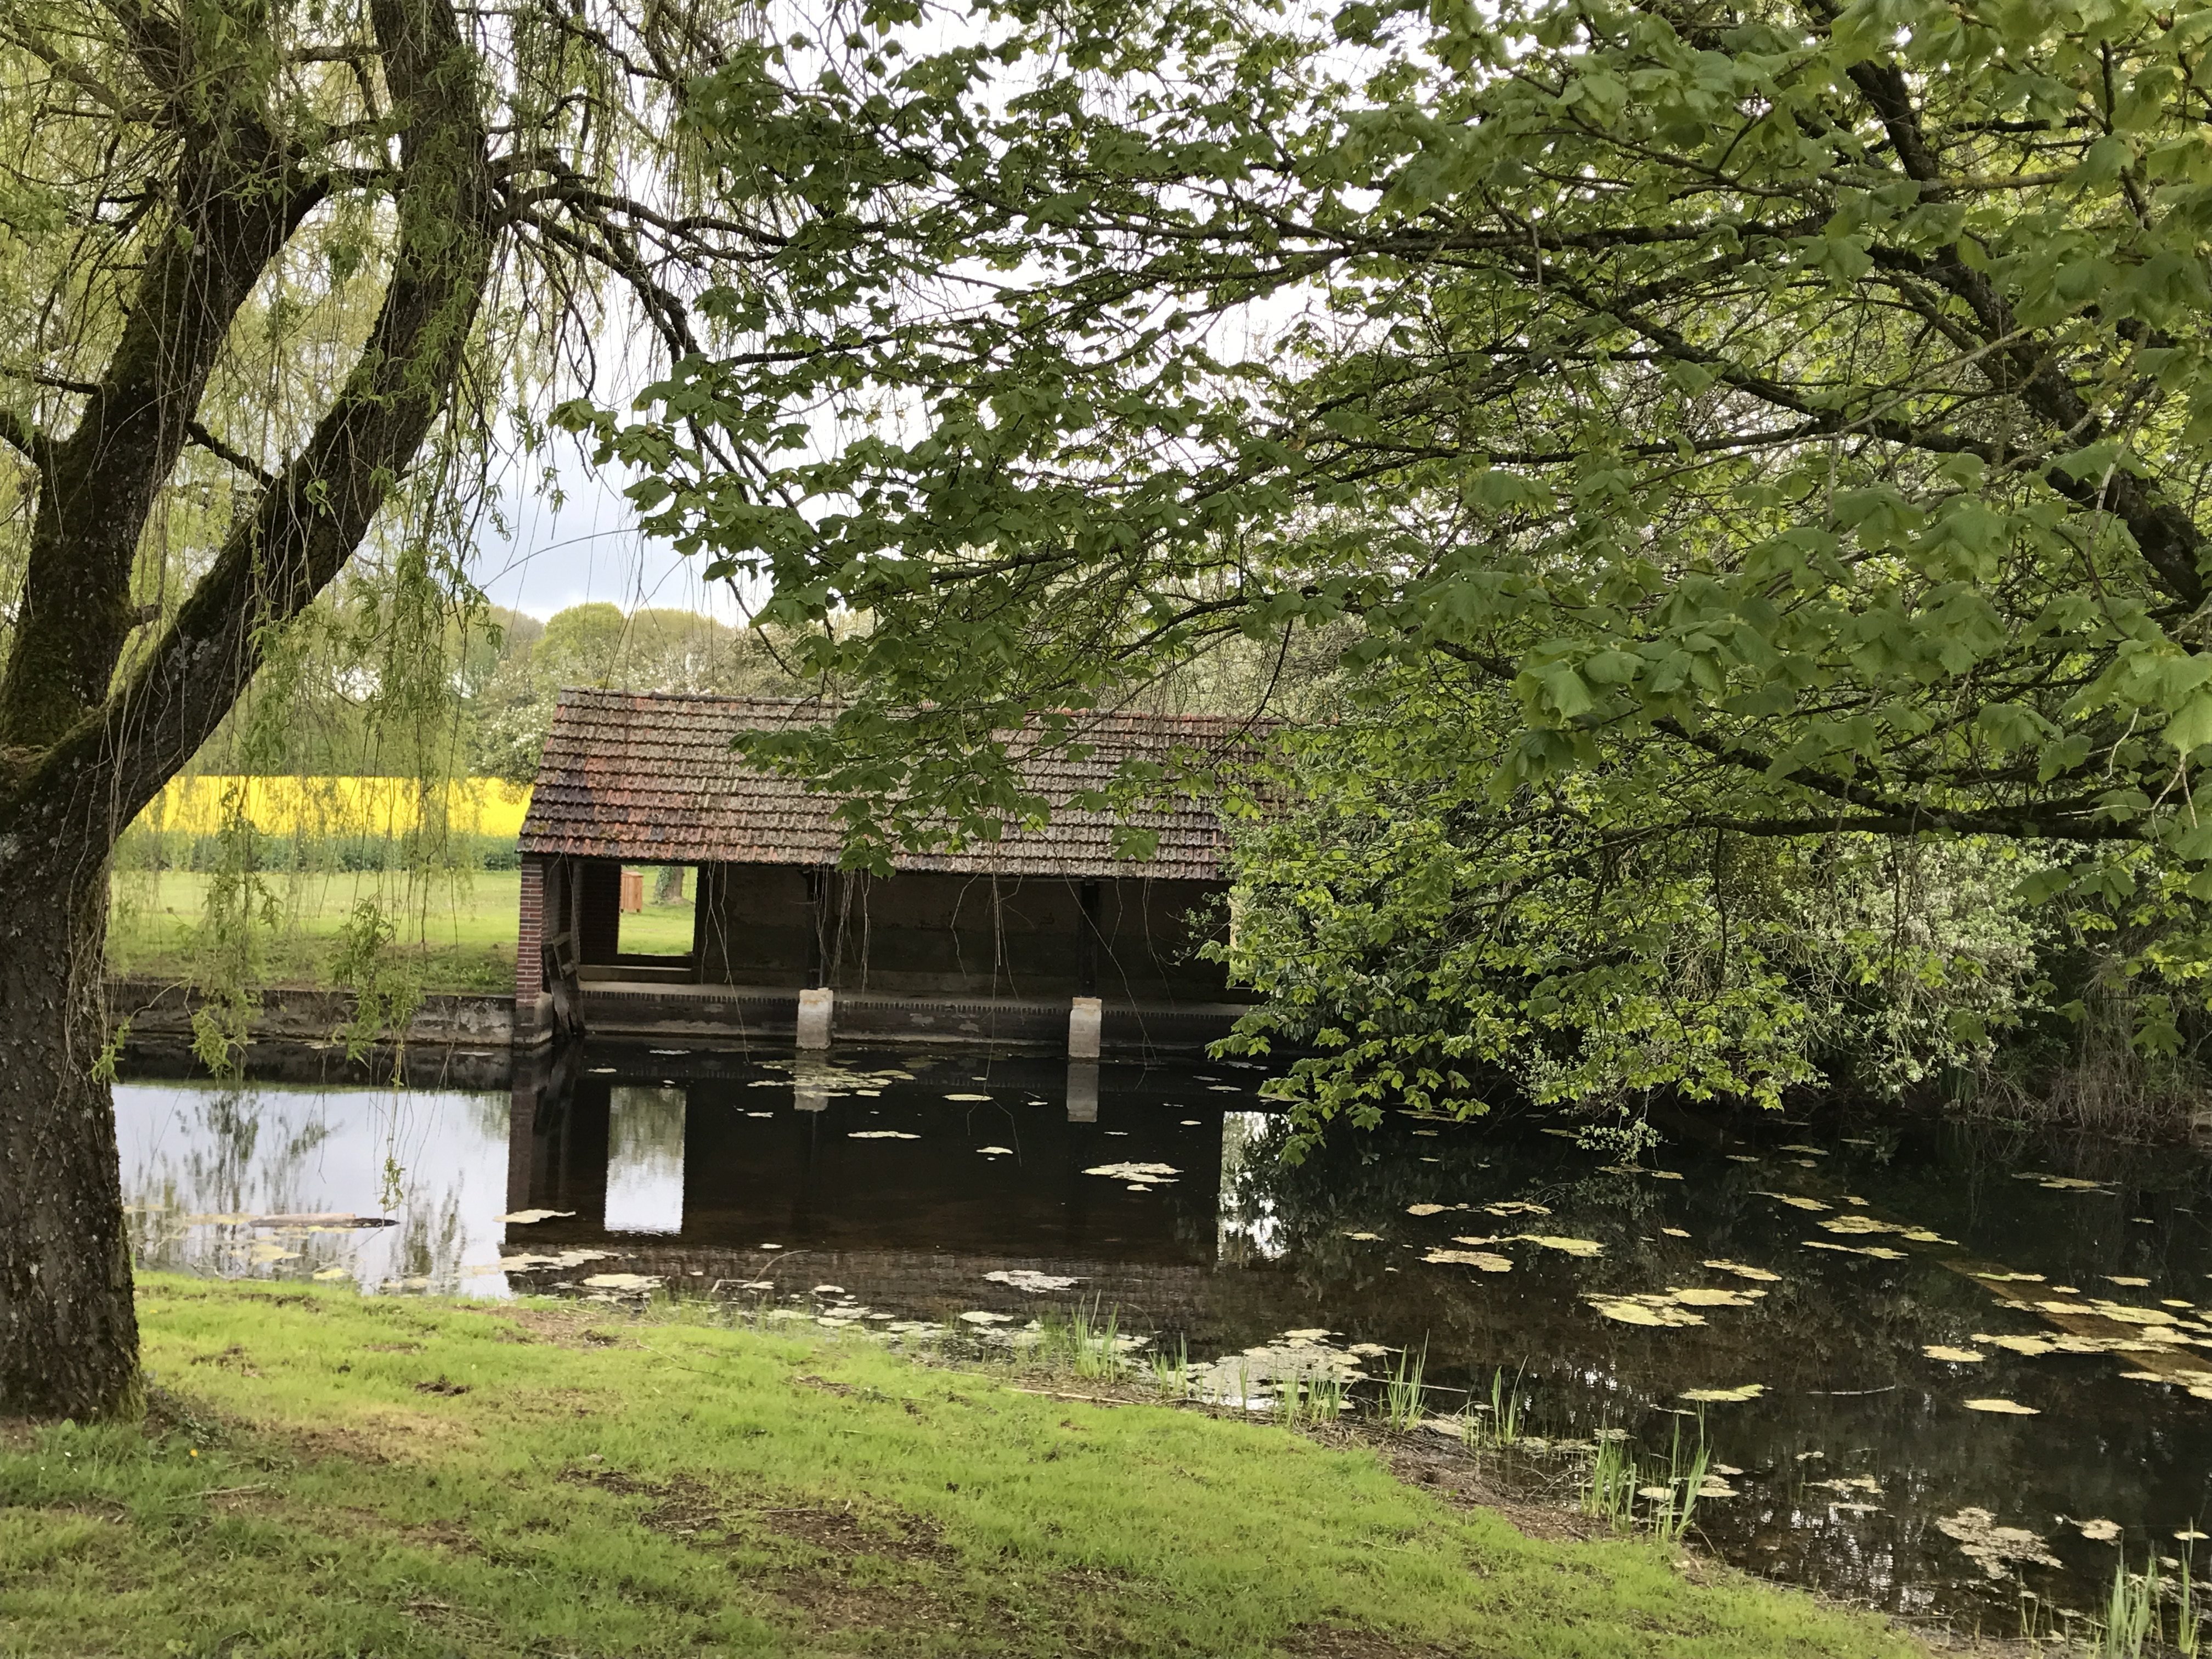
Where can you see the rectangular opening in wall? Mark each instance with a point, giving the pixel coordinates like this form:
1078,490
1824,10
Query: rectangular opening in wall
657,926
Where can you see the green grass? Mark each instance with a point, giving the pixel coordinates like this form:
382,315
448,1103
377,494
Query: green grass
605,1485
467,941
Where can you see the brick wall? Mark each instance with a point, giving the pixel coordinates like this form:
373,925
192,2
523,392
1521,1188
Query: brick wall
530,934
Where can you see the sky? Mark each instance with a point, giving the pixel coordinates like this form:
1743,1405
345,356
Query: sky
588,548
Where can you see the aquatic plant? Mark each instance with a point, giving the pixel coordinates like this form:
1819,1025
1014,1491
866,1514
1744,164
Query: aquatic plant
1403,1392
1505,1406
1609,1484
1670,1515
1082,1340
1171,1372
2131,1610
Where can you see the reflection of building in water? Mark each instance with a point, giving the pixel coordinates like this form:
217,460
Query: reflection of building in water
1009,941
905,1189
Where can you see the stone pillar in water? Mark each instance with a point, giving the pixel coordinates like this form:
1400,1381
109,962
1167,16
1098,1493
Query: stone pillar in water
1083,1091
814,1009
1084,1019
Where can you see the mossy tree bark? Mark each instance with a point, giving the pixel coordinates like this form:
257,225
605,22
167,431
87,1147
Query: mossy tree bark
87,740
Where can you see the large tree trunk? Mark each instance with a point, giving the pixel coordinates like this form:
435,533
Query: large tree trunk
79,756
69,1334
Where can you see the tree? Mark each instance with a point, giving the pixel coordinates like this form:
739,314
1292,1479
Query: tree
1814,397
271,273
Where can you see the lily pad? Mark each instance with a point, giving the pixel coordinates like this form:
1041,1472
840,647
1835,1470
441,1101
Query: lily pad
622,1282
1743,1271
1582,1247
1953,1356
1655,1312
1483,1258
2001,1407
1991,1547
1702,1297
1365,1237
1036,1283
881,1134
983,1317
2131,1282
2098,1531
1675,1232
524,1218
1426,1209
1717,1396
1796,1201
2030,1345
1136,1174
967,1096
1879,1252
1512,1207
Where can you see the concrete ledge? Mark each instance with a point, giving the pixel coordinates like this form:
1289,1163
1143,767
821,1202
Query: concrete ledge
742,1012
158,1010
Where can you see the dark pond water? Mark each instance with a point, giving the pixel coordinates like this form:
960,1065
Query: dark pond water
1811,1265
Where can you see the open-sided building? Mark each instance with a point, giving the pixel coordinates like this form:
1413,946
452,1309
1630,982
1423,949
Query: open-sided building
1001,941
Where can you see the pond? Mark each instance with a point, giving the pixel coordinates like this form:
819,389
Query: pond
1897,1335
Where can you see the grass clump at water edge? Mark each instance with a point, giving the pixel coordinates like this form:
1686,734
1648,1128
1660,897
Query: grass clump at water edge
408,1478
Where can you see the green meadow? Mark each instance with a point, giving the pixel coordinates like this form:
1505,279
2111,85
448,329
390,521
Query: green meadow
460,929
328,1474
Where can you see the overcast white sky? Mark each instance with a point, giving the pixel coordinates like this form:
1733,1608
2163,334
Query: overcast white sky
589,547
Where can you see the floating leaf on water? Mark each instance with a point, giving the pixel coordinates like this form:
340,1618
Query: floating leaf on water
2011,1278
2130,1282
1716,1396
967,1096
881,1134
524,1218
1657,1494
622,1282
1631,1310
1993,1547
1675,1232
1743,1271
1879,1252
2128,1315
1723,1469
2189,1534
2059,1183
1550,1130
996,1151
1426,1209
2030,1345
1136,1174
1513,1207
1364,1237
2097,1532
1742,1157
1865,1484
335,1272
1036,1283
1953,1356
2001,1407
1703,1298
1797,1202
1582,1247
1794,1147
1713,1488
1482,1259
982,1316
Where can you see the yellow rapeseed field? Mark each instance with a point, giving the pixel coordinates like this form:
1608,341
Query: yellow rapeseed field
316,807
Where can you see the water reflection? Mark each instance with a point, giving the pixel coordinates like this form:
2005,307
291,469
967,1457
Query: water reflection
1816,1262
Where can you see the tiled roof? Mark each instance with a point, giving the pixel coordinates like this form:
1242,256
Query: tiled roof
650,778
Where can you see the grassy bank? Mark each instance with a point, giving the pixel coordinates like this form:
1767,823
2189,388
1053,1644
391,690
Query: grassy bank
339,1475
466,943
